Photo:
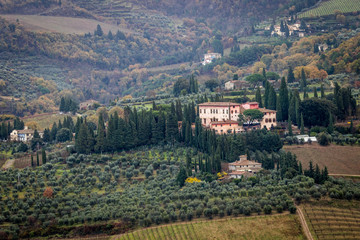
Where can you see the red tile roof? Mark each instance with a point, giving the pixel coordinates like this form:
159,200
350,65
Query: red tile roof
218,104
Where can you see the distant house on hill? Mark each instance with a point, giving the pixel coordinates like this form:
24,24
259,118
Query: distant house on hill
209,57
306,138
243,167
25,135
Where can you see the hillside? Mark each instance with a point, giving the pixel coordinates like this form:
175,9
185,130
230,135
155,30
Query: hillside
331,7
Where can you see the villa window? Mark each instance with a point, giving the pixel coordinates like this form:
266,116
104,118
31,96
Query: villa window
200,110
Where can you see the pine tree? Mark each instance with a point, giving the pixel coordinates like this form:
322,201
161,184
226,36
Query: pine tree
317,174
43,156
110,35
53,132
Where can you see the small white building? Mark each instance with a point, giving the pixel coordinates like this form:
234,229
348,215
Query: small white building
306,138
209,57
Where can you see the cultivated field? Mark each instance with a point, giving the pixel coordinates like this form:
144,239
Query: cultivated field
338,159
260,227
62,24
46,120
328,222
329,8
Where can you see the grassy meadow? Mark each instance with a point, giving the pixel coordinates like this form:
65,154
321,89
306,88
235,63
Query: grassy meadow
46,120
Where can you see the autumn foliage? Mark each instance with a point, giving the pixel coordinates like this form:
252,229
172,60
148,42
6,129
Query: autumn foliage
48,192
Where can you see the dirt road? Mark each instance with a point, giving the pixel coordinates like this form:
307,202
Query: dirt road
304,225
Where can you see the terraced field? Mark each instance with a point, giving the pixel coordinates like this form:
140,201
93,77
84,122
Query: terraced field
329,7
333,223
272,227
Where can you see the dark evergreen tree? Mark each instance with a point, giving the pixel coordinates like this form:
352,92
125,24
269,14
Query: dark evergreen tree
290,77
181,177
100,145
37,159
43,156
322,92
32,161
172,132
47,135
315,93
284,100
258,97
302,130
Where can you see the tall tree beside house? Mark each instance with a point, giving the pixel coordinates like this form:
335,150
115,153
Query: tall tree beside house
84,141
18,124
47,135
290,77
282,26
43,156
267,93
258,97
302,130
272,99
290,132
284,100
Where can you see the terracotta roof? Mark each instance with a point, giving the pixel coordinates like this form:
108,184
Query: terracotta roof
251,103
264,110
225,122
244,163
219,104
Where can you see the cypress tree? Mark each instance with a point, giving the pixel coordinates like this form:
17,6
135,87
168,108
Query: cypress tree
290,126
317,174
172,132
81,142
62,105
43,156
303,80
322,92
315,93
297,112
258,97
272,99
291,77
324,175
330,127
100,138
267,94
264,73
278,110
302,130
53,132
178,110
284,100
32,161
37,159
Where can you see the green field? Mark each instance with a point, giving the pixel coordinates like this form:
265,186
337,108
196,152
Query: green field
259,227
329,8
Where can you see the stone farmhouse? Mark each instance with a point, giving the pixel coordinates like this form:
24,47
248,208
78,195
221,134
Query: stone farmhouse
25,135
223,116
243,167
236,84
